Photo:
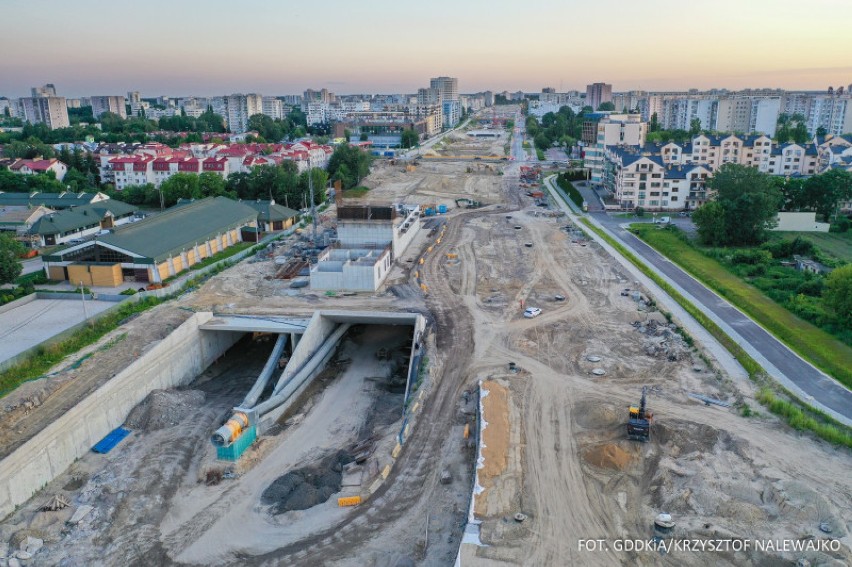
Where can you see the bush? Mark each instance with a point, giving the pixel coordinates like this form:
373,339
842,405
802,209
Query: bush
812,287
640,211
842,224
751,257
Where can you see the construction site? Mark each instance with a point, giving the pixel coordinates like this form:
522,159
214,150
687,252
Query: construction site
427,422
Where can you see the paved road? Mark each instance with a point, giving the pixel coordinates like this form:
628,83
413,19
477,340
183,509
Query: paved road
781,359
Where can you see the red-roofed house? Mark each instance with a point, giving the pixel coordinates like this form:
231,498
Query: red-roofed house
33,166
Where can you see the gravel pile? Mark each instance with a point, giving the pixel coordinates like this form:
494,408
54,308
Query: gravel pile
164,408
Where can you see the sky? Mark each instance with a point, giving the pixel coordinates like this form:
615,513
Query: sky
276,47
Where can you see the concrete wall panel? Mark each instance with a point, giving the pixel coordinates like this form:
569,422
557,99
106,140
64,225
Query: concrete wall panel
174,361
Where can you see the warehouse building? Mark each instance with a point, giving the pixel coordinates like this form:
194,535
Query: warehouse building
154,249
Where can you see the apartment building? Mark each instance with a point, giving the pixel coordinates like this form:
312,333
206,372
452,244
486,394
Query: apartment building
671,176
448,88
134,99
597,94
48,110
640,180
45,90
273,107
103,104
604,129
236,109
833,112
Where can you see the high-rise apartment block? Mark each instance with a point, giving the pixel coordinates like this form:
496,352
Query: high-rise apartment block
597,94
45,90
236,109
448,87
103,104
44,107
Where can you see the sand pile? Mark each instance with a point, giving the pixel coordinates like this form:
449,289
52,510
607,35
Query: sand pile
608,456
163,408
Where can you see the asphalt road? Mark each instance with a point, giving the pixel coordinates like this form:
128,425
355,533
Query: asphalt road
806,377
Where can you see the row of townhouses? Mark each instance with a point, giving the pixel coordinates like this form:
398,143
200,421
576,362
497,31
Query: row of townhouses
672,177
155,163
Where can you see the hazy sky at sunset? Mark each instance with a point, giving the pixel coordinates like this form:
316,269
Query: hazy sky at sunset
209,47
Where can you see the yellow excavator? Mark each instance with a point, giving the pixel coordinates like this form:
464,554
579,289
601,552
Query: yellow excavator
639,420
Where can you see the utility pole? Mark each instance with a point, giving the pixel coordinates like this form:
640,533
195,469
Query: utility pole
313,206
83,299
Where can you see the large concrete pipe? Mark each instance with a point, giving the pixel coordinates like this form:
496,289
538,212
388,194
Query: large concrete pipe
233,428
286,387
265,374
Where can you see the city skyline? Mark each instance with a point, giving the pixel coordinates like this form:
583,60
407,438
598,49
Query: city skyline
182,50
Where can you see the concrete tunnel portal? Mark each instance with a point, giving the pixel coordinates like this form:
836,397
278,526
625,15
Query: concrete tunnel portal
311,343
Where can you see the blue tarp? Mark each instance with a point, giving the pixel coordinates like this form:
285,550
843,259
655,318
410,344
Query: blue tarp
114,437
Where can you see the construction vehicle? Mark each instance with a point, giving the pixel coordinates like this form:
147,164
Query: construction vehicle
639,420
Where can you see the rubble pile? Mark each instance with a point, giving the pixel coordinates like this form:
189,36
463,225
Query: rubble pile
662,340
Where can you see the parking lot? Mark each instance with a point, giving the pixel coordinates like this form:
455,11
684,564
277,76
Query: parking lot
26,326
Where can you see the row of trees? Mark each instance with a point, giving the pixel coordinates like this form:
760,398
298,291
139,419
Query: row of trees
747,202
563,128
349,165
282,183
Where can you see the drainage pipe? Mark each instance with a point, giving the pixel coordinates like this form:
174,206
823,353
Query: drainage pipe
285,390
262,380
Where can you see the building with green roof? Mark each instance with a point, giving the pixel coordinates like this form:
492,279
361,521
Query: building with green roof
75,223
155,248
271,216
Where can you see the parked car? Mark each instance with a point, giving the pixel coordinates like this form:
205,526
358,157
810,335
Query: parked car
531,312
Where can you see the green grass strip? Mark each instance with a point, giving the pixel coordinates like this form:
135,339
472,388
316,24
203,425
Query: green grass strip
44,358
815,345
798,417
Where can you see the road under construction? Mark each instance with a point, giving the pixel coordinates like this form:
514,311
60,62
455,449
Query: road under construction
428,423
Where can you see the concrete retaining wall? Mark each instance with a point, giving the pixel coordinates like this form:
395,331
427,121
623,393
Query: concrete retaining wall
174,361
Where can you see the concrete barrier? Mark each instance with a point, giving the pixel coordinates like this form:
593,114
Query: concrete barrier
174,361
18,302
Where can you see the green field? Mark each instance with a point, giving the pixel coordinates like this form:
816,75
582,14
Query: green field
835,244
811,342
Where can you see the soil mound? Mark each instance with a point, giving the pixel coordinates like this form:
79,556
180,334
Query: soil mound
306,487
608,456
164,408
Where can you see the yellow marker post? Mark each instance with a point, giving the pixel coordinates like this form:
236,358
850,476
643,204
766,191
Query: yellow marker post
348,501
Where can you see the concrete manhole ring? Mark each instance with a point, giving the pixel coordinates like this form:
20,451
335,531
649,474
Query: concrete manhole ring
598,371
593,358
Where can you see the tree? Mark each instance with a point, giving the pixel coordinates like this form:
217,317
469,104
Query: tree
410,138
211,184
746,205
349,165
10,266
655,123
180,186
710,220
606,106
838,293
821,131
822,193
364,136
694,126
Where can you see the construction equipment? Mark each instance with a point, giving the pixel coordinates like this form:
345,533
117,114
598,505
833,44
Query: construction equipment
639,420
